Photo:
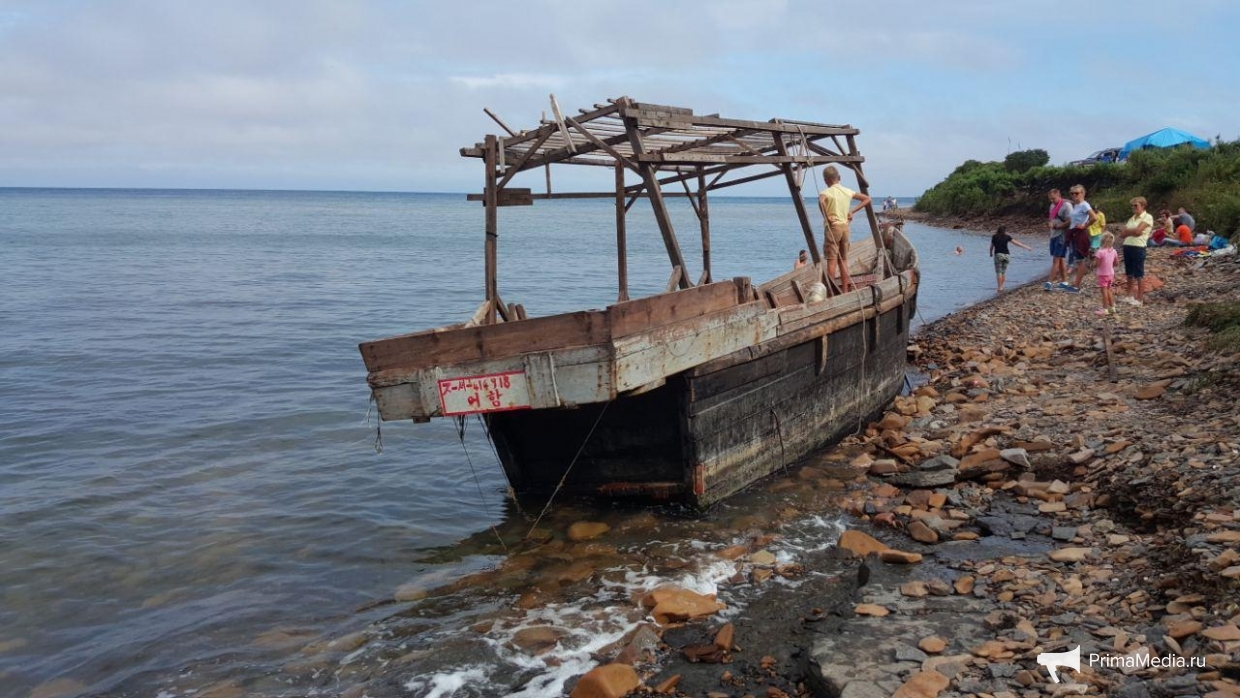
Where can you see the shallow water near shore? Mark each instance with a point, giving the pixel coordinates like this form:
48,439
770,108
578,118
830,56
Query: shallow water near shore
191,492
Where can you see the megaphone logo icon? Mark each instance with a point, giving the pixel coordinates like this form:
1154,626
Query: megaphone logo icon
1051,660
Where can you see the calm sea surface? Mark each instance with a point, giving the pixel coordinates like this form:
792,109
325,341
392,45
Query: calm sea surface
185,459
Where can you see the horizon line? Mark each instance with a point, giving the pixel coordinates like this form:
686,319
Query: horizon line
325,191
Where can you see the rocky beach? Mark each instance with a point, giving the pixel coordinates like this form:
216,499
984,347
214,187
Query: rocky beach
1051,482
1060,481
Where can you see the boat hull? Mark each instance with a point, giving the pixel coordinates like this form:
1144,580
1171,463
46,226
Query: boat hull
711,431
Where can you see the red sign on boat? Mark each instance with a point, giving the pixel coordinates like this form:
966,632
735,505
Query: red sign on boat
491,392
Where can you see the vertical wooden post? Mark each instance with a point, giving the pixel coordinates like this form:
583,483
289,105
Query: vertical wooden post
491,201
798,202
864,187
622,254
704,217
547,167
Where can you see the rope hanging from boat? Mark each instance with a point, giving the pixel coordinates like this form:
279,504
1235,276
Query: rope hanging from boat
512,494
460,433
378,424
568,470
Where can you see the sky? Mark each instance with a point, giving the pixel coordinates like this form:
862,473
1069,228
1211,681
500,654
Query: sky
378,95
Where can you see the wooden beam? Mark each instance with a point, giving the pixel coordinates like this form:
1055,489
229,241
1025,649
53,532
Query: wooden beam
884,255
499,121
703,142
582,194
744,180
678,276
512,171
650,117
492,229
798,202
718,158
657,203
703,211
606,147
622,254
479,150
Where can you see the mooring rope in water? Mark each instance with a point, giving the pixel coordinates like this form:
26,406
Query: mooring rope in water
571,463
460,432
512,494
378,425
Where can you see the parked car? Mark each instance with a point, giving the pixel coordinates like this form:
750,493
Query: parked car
1104,155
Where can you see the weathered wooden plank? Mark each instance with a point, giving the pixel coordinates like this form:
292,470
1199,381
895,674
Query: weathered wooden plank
691,158
656,311
647,356
514,197
426,349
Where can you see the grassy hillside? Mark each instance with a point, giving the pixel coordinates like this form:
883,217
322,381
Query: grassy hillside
1205,182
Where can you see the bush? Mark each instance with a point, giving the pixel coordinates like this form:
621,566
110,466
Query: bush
1205,182
1023,160
1213,316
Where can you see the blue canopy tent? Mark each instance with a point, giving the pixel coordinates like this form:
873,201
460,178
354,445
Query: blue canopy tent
1162,138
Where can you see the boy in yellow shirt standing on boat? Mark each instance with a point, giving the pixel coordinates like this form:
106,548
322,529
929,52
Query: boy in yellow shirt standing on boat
833,202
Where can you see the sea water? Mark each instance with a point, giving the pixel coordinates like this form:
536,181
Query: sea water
187,469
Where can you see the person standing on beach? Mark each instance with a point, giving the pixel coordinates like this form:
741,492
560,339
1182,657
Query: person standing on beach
1105,256
833,202
1136,234
1002,254
1081,217
1097,228
1057,220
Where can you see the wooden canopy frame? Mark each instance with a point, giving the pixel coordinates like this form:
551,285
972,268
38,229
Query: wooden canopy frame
664,146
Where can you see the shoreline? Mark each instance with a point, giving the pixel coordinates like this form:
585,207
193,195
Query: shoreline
1053,508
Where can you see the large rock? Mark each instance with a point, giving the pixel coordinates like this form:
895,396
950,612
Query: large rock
607,681
673,604
860,544
923,684
922,533
585,530
923,479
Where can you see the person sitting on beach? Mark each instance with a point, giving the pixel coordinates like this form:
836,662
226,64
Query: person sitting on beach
1162,229
1184,218
1183,236
999,250
802,260
833,202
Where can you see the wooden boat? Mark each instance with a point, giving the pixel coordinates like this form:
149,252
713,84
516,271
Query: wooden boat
690,394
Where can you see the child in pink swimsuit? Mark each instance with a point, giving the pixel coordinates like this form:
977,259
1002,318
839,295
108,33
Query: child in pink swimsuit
1105,257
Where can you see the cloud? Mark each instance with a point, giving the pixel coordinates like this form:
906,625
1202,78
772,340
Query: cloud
515,81
383,94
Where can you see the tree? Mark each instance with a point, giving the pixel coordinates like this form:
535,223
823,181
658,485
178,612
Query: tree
1023,160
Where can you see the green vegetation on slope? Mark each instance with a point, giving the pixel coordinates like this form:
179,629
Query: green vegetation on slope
1204,182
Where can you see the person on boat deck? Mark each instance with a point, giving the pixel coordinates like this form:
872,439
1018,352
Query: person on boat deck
833,202
802,260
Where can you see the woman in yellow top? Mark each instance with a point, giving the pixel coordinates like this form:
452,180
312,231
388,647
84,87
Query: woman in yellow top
1097,229
1136,234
